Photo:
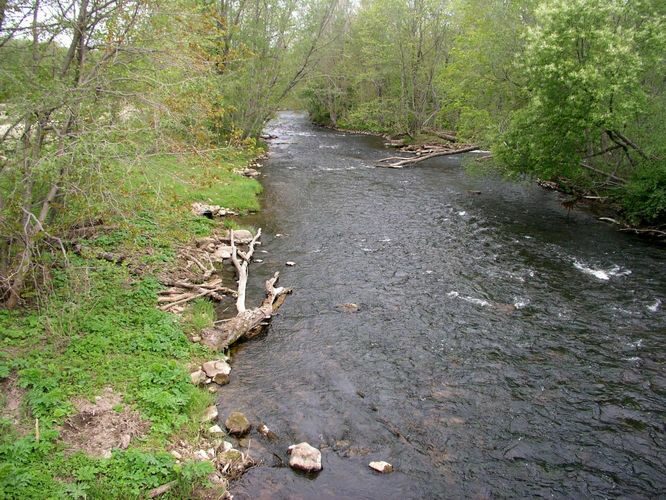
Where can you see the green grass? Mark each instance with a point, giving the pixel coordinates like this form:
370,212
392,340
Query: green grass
198,316
99,326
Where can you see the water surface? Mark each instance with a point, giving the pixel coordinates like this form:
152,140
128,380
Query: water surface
503,347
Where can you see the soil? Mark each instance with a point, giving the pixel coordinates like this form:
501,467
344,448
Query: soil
99,427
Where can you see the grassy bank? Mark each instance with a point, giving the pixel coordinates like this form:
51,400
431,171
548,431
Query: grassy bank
94,325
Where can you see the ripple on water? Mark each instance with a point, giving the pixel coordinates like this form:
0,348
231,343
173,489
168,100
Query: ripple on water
481,363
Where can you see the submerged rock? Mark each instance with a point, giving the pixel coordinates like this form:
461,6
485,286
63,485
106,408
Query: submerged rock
349,307
305,457
218,371
237,424
383,467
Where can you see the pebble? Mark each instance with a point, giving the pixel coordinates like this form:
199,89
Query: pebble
291,263
383,467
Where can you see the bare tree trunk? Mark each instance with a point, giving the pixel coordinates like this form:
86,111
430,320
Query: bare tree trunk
221,337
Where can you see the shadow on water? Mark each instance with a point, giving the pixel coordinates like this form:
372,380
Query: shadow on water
502,348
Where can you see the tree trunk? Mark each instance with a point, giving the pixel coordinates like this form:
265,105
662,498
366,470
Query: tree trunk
221,337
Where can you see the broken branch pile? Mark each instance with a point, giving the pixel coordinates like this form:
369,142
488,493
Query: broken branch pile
198,277
246,321
424,152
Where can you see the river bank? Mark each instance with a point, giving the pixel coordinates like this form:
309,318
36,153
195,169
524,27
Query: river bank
97,395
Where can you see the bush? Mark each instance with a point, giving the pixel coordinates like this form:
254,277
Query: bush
644,197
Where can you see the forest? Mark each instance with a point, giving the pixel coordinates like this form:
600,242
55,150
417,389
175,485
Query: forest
117,115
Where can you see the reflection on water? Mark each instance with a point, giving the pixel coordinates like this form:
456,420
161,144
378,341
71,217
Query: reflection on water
502,348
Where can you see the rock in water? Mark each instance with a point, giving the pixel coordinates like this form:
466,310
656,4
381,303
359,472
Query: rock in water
218,371
383,467
237,424
291,263
305,457
349,307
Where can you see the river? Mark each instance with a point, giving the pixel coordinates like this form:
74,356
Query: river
503,346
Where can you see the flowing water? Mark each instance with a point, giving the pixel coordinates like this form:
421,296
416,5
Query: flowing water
503,347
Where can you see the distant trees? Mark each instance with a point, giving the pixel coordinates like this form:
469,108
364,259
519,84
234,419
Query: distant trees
384,66
557,88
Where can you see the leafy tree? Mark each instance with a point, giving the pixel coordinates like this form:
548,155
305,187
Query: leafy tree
585,66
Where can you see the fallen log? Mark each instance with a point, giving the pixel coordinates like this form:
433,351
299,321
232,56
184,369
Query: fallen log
246,320
441,135
411,161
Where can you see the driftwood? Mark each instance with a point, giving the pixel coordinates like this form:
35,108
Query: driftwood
436,152
451,137
246,320
161,490
650,231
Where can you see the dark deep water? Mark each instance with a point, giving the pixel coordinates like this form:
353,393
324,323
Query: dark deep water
563,397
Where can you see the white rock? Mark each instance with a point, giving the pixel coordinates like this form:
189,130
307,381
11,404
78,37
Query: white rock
242,236
226,446
218,371
216,430
176,455
201,455
222,252
291,263
210,414
304,457
211,210
198,377
258,261
383,467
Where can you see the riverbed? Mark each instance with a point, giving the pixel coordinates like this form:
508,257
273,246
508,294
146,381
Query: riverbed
503,346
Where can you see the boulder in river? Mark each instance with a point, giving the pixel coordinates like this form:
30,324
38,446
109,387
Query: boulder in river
305,457
218,371
383,467
349,307
237,424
